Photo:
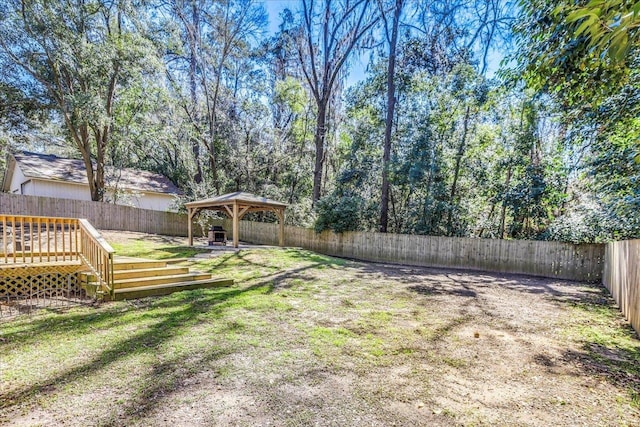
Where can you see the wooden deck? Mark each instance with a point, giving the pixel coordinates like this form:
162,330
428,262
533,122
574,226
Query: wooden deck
50,261
42,256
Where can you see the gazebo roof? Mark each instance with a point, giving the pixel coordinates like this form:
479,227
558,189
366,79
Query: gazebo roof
245,199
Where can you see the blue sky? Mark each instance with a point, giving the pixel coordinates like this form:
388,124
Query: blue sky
274,7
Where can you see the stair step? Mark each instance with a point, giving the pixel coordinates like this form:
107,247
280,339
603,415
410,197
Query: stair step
137,264
149,272
159,280
167,288
175,260
87,276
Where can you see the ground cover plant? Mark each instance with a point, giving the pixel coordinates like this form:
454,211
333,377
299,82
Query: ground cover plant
305,339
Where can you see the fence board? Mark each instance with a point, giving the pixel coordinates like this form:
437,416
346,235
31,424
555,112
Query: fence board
105,216
537,258
622,278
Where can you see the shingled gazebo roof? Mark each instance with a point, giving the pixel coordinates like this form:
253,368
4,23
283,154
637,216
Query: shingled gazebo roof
239,196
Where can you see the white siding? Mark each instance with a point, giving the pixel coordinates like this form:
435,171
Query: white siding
158,202
61,190
153,201
17,179
65,190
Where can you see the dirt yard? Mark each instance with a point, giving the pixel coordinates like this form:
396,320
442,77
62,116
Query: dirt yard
303,339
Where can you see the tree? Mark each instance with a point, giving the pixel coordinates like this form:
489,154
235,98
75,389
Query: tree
391,35
328,34
79,55
206,68
436,22
189,19
553,59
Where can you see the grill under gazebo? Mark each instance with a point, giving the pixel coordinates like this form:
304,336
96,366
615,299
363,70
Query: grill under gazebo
217,234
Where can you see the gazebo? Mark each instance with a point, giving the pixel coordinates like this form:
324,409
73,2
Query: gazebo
236,205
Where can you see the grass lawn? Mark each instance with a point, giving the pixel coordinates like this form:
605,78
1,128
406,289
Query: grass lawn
304,339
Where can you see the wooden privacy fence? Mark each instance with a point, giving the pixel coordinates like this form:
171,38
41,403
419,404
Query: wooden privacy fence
547,259
103,216
622,278
536,258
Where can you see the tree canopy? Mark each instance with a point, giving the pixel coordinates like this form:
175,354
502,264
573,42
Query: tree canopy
433,138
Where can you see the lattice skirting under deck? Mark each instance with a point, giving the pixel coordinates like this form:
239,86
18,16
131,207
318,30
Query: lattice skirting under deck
39,282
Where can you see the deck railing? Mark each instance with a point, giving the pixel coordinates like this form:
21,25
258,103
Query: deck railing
31,240
97,254
36,239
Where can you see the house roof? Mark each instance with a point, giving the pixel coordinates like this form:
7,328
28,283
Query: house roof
239,197
53,168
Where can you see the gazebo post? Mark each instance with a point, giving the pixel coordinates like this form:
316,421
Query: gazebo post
281,230
190,217
236,225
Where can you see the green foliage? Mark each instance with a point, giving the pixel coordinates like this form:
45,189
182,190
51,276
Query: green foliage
344,213
585,56
551,57
468,158
78,59
610,202
609,26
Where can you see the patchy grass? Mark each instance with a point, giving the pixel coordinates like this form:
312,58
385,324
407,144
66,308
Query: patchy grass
610,346
150,249
306,339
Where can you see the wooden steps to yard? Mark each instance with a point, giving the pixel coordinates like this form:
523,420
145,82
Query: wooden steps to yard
138,278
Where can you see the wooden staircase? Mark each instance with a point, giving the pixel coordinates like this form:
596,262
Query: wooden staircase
138,278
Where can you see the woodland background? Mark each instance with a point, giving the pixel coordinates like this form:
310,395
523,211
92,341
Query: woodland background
480,118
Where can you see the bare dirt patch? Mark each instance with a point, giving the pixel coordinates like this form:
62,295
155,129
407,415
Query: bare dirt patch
303,339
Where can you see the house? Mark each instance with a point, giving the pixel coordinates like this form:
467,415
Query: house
48,175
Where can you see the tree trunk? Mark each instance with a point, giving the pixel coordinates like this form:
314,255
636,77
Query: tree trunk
193,66
391,104
101,137
397,222
213,128
319,139
456,171
101,143
493,207
504,205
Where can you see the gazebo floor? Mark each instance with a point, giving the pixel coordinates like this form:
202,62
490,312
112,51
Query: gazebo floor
216,250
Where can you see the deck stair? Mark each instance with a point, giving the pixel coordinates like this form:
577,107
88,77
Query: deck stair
138,278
